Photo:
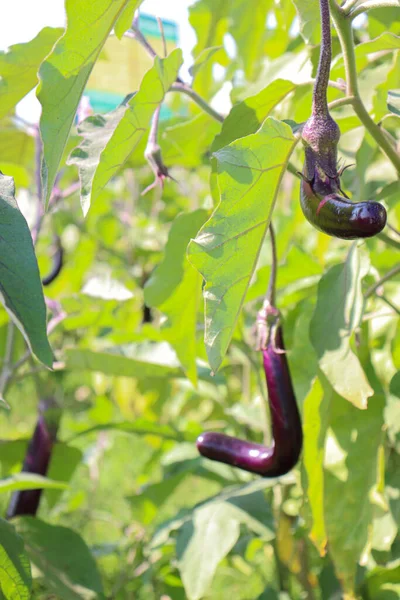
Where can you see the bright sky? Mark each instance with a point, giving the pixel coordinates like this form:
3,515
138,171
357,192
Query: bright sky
23,19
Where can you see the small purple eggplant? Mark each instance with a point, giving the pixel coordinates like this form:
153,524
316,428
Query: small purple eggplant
286,424
37,458
58,262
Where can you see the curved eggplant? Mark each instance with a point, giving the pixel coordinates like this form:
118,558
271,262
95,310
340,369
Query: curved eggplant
287,434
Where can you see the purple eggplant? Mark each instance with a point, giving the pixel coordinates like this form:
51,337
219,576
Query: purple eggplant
286,424
323,202
37,458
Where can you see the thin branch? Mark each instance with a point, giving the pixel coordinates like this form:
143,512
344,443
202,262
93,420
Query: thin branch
183,88
388,240
348,100
7,368
136,34
371,4
389,303
271,291
161,28
392,273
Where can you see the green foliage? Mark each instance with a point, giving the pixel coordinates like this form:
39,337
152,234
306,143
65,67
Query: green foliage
16,580
21,292
129,510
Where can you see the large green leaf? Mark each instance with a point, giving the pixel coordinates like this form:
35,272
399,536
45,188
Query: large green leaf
337,314
19,66
136,119
20,285
62,556
175,289
63,75
227,247
96,132
15,569
209,533
350,476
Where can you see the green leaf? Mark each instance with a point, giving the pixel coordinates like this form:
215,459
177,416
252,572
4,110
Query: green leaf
28,481
209,19
15,569
213,528
309,17
203,543
248,29
20,289
96,132
142,427
174,288
124,21
140,362
203,58
382,583
63,76
136,119
393,101
186,143
337,314
350,476
226,249
19,65
64,460
247,116
315,421
62,556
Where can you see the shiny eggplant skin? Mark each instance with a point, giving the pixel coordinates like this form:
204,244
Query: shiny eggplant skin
287,434
337,216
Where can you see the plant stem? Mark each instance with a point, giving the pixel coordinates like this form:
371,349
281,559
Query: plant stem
389,303
271,291
381,281
348,100
7,369
320,106
369,5
348,5
183,88
345,34
388,240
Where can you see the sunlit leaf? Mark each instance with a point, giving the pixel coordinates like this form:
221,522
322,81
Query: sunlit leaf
125,19
19,66
309,17
226,249
136,119
21,289
63,75
337,314
15,569
29,481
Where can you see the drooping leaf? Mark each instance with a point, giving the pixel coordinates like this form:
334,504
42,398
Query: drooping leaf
337,314
15,569
20,286
226,249
203,58
19,66
63,75
142,427
247,116
125,19
136,119
62,556
96,132
28,481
